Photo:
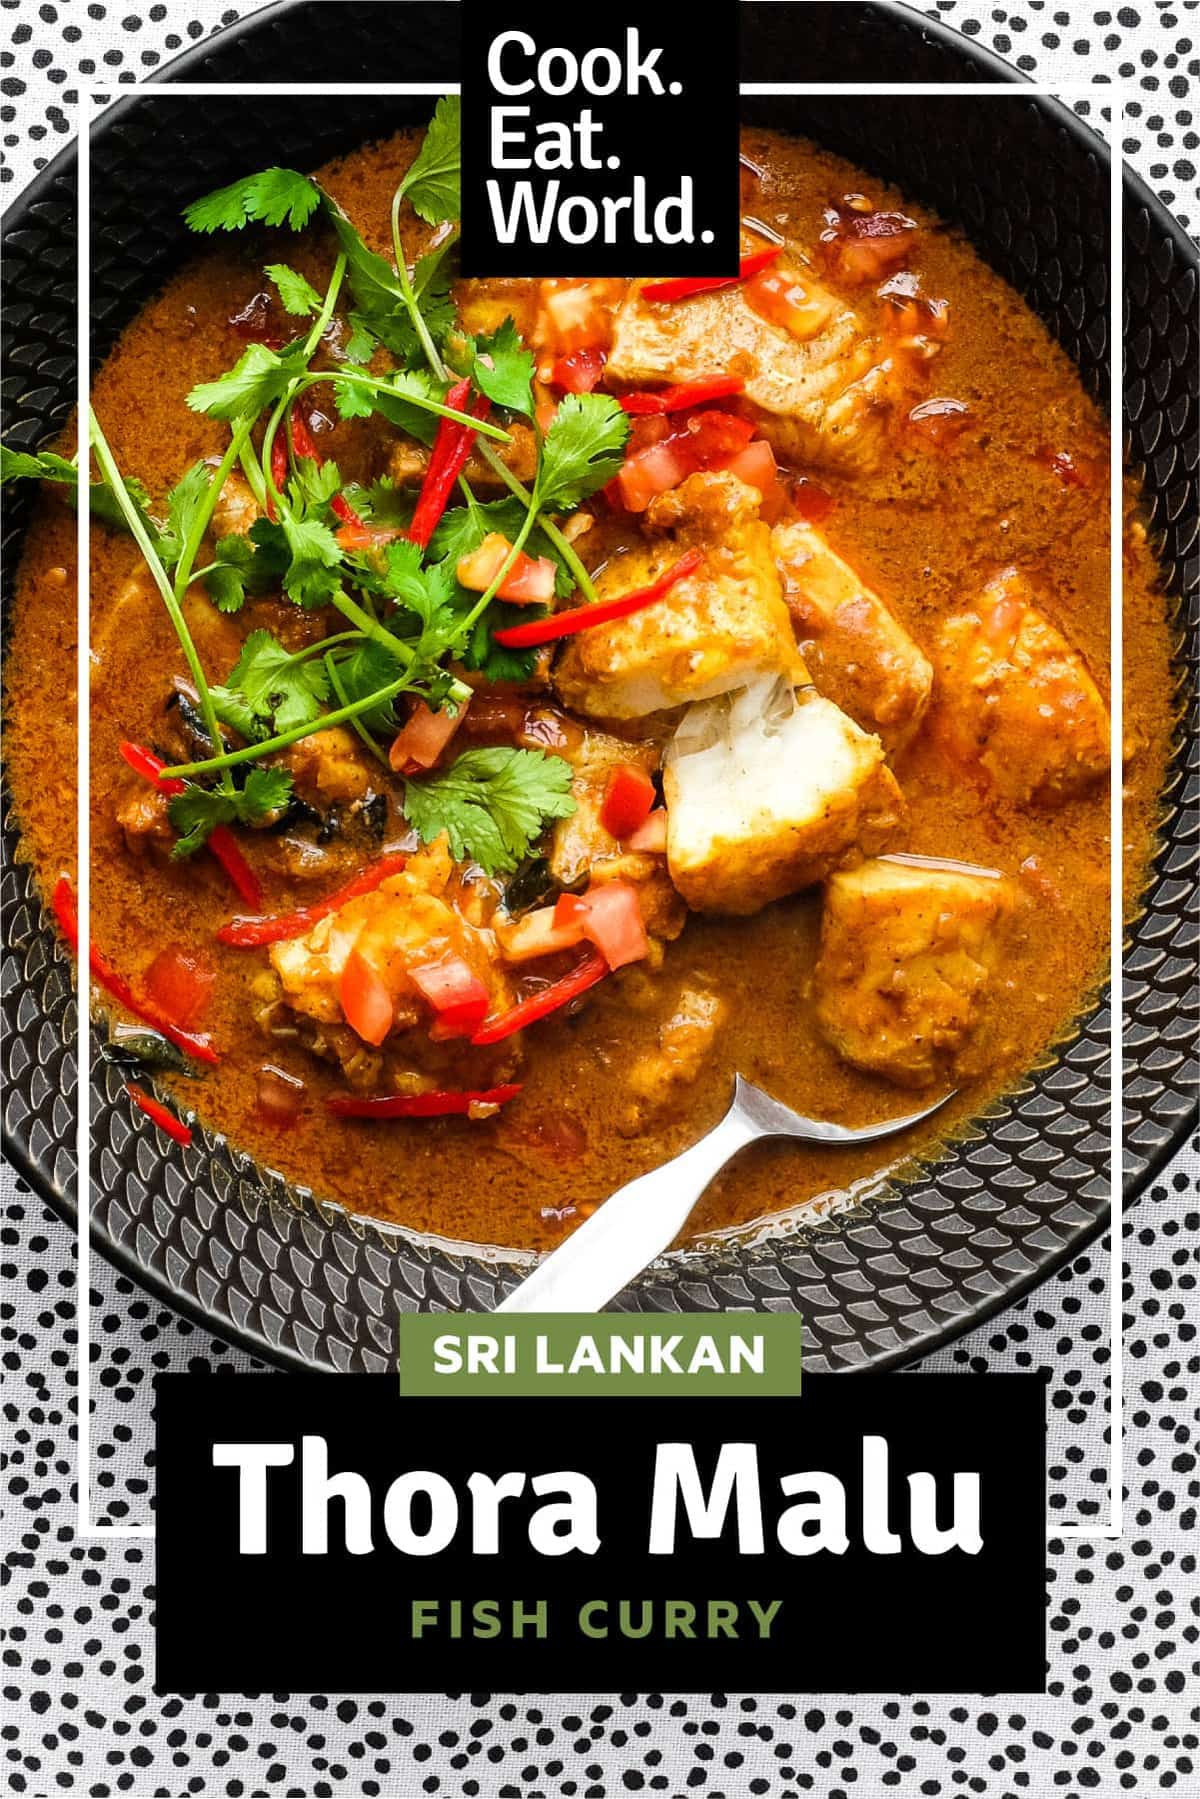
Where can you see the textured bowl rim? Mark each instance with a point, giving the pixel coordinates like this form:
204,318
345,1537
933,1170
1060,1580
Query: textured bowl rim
185,66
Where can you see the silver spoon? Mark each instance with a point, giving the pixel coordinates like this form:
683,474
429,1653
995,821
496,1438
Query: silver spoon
645,1216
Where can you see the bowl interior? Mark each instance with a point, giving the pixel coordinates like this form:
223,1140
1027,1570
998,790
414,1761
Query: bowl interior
301,1281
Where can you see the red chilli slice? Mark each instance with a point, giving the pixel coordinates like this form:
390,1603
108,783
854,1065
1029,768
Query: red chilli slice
441,1104
221,840
253,933
590,968
687,393
662,293
166,1121
106,976
580,618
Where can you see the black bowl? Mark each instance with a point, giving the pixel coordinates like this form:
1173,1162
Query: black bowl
298,1280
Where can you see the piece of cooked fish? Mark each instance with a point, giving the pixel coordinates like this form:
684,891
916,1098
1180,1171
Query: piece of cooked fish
908,946
715,630
1014,698
767,792
818,400
857,652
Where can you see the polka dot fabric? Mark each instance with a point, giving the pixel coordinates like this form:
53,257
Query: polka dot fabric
1119,1715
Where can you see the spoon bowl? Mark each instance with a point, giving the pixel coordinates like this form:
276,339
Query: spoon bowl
645,1216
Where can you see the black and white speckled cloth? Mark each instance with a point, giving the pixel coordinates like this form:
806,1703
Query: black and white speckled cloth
78,1711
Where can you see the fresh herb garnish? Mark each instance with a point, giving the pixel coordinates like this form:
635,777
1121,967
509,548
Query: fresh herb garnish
47,465
494,804
297,294
198,811
272,197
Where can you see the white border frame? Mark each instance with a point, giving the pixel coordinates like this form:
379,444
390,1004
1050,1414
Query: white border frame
1101,96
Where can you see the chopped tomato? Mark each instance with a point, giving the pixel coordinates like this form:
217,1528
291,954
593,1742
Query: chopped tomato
579,372
704,439
355,533
650,838
456,994
365,1000
780,297
424,737
651,471
610,917
364,537
628,799
755,465
538,933
181,983
530,581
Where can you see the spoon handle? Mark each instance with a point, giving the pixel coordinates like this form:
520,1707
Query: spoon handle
626,1233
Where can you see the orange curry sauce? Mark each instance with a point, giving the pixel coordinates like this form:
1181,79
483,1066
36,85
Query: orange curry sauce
927,531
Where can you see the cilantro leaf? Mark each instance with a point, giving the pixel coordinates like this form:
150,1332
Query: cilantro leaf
257,379
362,342
383,503
316,482
366,669
310,578
197,811
352,401
493,803
491,659
395,403
426,593
502,368
274,686
583,449
234,710
225,583
375,286
299,296
47,465
271,197
381,307
183,505
28,465
431,185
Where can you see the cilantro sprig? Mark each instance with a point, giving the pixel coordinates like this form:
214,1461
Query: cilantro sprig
494,804
197,811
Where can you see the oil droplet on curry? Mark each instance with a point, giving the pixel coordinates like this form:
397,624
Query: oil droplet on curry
840,790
